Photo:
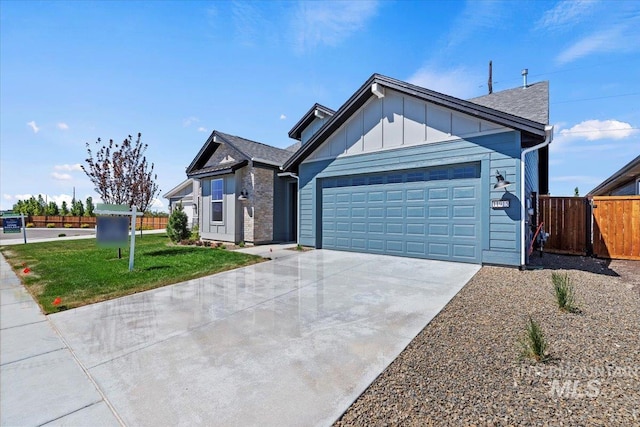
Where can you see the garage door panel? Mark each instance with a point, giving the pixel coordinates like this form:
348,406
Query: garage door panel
395,196
395,228
405,214
441,193
461,193
465,230
464,211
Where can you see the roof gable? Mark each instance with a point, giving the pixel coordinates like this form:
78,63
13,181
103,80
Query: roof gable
629,172
315,112
236,153
378,83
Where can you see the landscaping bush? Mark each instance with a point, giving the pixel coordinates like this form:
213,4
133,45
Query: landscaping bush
177,229
564,292
51,225
30,225
85,226
195,232
68,226
534,344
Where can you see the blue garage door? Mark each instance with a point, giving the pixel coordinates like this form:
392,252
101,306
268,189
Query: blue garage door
432,213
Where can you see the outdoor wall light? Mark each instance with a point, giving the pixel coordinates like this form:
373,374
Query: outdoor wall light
244,195
502,183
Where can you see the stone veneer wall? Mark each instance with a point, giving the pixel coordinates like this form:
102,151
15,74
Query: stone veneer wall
263,205
257,212
247,207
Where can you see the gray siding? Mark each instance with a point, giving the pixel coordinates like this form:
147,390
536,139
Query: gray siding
628,189
498,151
224,230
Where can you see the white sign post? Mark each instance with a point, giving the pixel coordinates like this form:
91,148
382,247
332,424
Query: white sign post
122,210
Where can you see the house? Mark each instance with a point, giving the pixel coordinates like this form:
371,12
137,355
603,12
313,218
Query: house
240,196
625,182
183,194
402,170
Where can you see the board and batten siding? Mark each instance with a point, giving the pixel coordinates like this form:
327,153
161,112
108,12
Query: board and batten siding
226,229
398,120
500,230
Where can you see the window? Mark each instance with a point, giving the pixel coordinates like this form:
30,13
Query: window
217,186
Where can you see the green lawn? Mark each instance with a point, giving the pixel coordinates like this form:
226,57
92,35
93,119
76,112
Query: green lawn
80,273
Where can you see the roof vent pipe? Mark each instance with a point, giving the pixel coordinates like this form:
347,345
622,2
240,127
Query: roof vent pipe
524,78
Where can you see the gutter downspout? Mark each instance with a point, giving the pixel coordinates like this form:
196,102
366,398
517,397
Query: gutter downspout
548,130
297,178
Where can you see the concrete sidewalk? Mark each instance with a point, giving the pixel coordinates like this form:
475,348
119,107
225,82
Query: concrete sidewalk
41,381
273,251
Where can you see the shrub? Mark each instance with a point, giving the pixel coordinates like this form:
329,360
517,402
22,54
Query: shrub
85,226
206,243
564,292
51,225
30,225
177,226
534,344
195,232
241,244
299,247
68,226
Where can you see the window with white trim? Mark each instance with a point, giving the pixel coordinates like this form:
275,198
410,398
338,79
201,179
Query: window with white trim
217,194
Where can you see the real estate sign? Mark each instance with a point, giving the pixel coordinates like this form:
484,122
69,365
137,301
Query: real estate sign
11,224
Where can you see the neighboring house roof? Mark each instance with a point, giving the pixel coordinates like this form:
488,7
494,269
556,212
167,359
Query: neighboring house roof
531,102
533,131
178,188
247,151
309,116
629,172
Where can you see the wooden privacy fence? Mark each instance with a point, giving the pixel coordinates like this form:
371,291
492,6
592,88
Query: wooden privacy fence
566,220
616,227
148,222
605,226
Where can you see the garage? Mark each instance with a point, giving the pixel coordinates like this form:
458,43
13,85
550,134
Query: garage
402,170
422,213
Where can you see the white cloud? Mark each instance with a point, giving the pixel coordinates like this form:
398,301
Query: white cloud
566,13
202,129
22,196
593,130
157,204
61,176
329,22
33,126
614,39
456,82
189,121
69,168
283,117
62,198
7,196
63,126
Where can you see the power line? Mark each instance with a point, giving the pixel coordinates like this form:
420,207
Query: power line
599,97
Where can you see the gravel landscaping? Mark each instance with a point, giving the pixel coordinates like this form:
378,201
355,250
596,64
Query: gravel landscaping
464,367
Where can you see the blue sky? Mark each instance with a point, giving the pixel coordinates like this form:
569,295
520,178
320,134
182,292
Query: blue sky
72,72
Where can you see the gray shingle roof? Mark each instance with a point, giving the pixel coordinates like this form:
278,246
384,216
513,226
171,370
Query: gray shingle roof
531,102
257,150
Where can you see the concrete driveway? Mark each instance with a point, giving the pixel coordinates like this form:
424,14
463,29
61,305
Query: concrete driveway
292,341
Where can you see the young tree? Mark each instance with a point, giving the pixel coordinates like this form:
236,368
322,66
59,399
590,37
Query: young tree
89,207
121,173
52,209
64,209
77,209
177,226
576,192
